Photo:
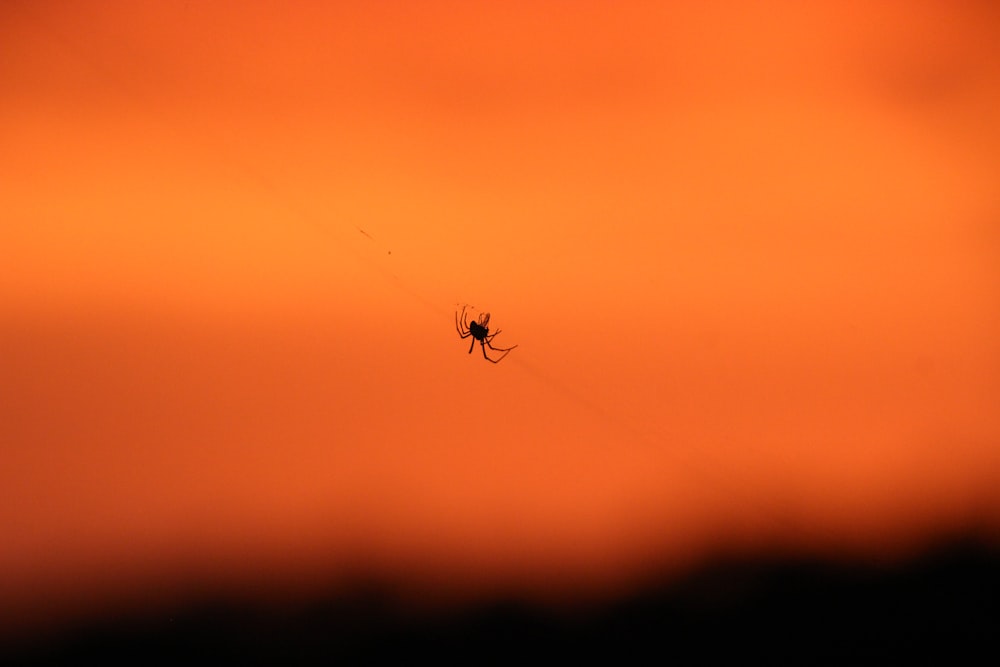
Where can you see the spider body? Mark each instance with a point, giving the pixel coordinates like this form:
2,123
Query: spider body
479,331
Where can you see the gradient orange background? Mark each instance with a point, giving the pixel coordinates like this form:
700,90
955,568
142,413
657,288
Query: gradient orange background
750,253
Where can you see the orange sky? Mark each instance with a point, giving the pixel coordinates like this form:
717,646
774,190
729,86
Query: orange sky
750,253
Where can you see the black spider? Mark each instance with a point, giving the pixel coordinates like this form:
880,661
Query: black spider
479,331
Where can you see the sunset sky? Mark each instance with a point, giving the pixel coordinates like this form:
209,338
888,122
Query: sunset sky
749,253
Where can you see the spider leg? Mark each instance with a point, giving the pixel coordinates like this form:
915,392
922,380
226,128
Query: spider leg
494,361
500,349
472,345
462,331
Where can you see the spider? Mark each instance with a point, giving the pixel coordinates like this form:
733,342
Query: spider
479,330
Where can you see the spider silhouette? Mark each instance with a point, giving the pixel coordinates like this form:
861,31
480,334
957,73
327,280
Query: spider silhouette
479,330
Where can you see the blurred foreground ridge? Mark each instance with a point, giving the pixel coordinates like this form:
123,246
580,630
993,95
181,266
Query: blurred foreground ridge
802,610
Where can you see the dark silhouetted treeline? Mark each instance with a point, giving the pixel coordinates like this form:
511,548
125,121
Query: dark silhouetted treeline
942,605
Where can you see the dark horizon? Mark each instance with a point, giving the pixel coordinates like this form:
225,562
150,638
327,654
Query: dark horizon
946,599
